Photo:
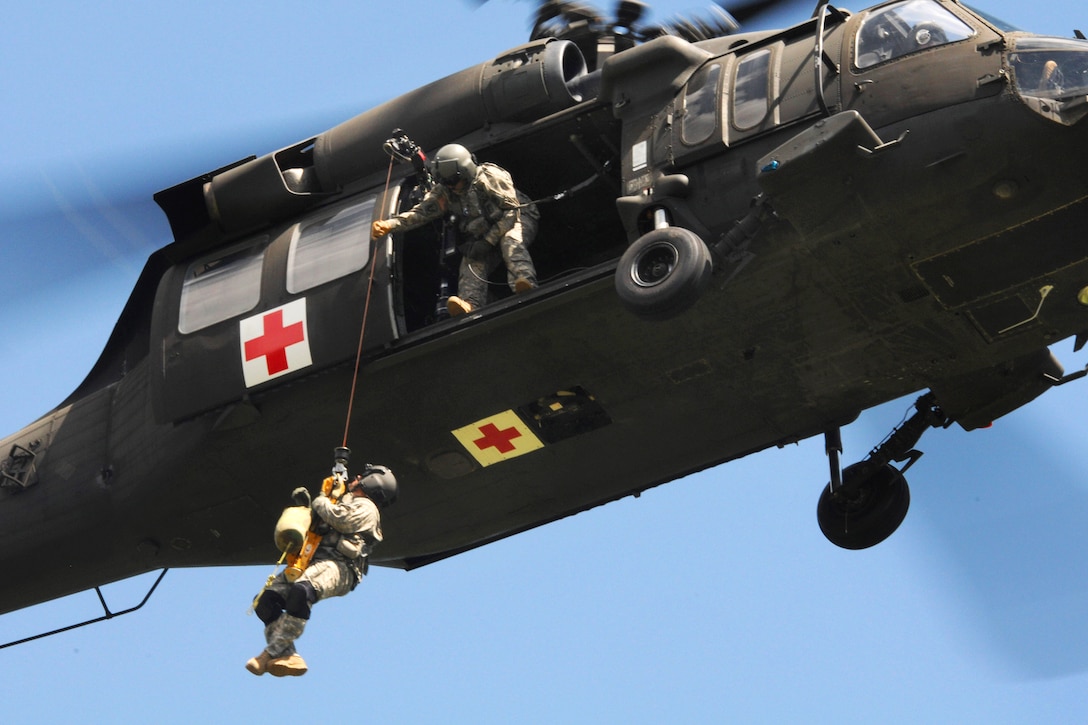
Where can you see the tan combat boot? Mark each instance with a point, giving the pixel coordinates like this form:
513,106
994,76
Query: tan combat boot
293,666
458,306
259,665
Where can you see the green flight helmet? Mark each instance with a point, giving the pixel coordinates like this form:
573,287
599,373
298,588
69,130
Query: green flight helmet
452,163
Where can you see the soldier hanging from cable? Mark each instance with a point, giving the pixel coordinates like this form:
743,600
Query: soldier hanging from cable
494,218
331,560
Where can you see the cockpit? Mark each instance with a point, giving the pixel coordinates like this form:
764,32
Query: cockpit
1054,69
1049,74
906,27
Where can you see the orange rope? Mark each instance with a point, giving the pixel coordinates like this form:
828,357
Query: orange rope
366,311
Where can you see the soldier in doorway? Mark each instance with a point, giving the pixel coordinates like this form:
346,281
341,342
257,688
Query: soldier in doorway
496,221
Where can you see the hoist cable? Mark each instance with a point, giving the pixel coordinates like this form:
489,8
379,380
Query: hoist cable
366,311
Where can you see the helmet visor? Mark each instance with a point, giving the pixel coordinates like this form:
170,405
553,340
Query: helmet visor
448,171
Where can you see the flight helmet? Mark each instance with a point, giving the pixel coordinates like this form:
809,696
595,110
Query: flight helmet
452,163
379,484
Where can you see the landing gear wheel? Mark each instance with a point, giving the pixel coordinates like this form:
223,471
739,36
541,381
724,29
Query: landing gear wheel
663,273
867,509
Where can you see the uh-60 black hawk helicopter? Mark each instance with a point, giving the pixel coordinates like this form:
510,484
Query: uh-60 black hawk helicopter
746,240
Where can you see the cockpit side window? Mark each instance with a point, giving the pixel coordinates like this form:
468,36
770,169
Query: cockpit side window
221,287
1049,67
701,105
906,27
330,246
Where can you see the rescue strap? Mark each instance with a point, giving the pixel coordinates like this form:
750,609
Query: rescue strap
567,192
267,583
545,200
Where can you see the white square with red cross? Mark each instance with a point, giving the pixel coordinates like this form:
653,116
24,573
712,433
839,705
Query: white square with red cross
274,343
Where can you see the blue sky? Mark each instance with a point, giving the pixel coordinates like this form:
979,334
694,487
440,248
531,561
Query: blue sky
711,599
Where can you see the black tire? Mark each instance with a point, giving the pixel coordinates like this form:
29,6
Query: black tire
663,273
869,515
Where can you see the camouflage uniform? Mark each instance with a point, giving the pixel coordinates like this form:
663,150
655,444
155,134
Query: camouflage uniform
337,567
489,210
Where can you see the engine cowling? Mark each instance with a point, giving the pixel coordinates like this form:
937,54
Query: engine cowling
523,84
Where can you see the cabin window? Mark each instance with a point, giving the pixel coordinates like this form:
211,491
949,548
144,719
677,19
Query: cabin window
751,95
701,105
221,287
906,27
331,246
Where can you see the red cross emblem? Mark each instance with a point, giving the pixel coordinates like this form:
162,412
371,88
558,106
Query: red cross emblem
274,343
497,439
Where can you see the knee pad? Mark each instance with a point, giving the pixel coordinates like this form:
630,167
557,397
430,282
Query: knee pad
269,607
300,597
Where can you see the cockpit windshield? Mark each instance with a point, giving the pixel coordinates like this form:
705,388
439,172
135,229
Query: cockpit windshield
906,27
1049,67
993,20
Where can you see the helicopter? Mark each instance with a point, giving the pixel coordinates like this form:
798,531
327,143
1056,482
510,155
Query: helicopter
722,171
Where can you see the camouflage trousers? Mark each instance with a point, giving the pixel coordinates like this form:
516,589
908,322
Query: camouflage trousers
513,251
329,578
280,636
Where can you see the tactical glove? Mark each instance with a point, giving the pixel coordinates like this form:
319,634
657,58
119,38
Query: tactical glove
333,487
382,227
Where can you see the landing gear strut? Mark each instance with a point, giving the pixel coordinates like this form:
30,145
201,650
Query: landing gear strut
865,503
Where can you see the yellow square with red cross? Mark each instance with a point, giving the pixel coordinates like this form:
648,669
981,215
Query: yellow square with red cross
498,438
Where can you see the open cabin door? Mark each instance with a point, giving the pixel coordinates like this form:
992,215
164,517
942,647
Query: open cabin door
568,164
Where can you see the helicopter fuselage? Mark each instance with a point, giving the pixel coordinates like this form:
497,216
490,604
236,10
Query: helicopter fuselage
919,179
